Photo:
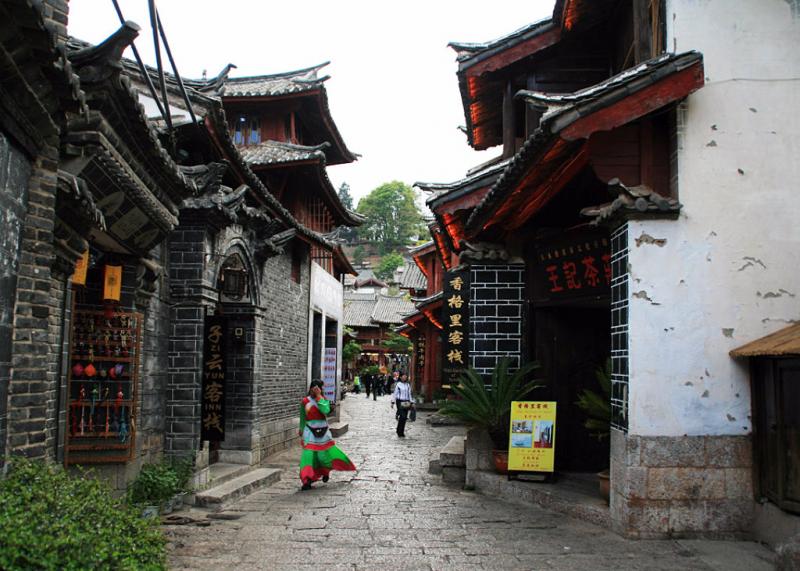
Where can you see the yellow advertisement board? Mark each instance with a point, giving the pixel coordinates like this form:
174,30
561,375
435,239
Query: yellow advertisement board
532,440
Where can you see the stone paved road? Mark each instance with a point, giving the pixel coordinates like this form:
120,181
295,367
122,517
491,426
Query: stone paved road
392,514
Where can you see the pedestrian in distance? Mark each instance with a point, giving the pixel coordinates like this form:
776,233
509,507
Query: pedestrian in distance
357,385
368,384
320,453
404,400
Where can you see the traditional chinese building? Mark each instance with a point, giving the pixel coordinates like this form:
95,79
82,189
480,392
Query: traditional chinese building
175,290
283,127
610,226
373,316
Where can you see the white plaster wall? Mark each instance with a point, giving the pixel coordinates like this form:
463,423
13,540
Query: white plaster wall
327,297
729,269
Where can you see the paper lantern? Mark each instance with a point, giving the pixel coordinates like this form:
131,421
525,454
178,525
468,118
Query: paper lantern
112,283
81,267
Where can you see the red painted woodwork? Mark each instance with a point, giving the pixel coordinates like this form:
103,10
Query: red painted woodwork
513,54
636,154
639,104
552,186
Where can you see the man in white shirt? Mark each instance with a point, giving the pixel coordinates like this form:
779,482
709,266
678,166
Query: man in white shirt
403,398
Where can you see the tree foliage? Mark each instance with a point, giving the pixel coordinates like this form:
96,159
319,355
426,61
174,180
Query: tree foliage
358,255
392,216
345,197
387,266
350,351
396,343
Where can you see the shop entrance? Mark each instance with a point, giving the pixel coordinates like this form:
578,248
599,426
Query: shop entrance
571,343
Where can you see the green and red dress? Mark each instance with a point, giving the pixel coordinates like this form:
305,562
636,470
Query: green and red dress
320,453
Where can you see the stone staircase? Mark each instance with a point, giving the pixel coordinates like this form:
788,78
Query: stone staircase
450,461
229,482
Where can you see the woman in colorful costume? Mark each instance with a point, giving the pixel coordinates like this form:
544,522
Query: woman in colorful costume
320,453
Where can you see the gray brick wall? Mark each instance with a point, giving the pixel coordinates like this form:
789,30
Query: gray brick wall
32,394
266,369
283,359
15,170
496,315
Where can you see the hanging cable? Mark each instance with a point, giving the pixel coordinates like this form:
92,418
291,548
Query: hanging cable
161,79
142,68
175,69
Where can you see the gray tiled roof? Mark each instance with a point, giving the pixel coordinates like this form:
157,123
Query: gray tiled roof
358,309
391,309
413,278
277,152
278,84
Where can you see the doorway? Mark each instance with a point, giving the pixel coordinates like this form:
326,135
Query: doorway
571,343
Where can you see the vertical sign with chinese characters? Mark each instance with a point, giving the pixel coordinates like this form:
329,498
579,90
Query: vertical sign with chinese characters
455,323
532,440
420,372
212,399
329,374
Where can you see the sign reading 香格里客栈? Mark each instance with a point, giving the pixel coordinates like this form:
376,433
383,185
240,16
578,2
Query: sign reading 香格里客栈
532,440
455,325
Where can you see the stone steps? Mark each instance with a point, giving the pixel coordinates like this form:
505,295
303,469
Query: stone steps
338,428
237,487
451,461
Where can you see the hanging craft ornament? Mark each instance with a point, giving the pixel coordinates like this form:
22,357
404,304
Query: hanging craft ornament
105,397
112,288
90,371
77,370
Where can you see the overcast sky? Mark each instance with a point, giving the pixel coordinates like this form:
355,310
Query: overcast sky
393,91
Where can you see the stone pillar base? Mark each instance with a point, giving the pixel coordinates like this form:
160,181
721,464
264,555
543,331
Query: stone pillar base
682,486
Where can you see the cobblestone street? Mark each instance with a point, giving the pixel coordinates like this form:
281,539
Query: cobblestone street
391,514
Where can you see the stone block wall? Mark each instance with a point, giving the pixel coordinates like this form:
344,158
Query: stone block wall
283,361
186,322
496,315
15,169
682,486
32,388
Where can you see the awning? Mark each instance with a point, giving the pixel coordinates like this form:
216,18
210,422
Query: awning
783,343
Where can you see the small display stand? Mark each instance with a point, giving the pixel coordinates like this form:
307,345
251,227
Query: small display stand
103,381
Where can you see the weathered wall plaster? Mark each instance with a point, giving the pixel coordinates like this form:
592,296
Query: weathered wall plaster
726,272
327,297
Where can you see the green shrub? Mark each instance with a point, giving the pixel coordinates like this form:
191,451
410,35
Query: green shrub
51,520
155,484
184,469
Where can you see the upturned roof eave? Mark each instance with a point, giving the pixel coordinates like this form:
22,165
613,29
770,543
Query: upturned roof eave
582,104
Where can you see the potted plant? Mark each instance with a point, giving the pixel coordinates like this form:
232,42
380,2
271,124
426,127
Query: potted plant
155,485
489,406
597,407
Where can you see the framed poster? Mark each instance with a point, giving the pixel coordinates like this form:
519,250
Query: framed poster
329,374
532,436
